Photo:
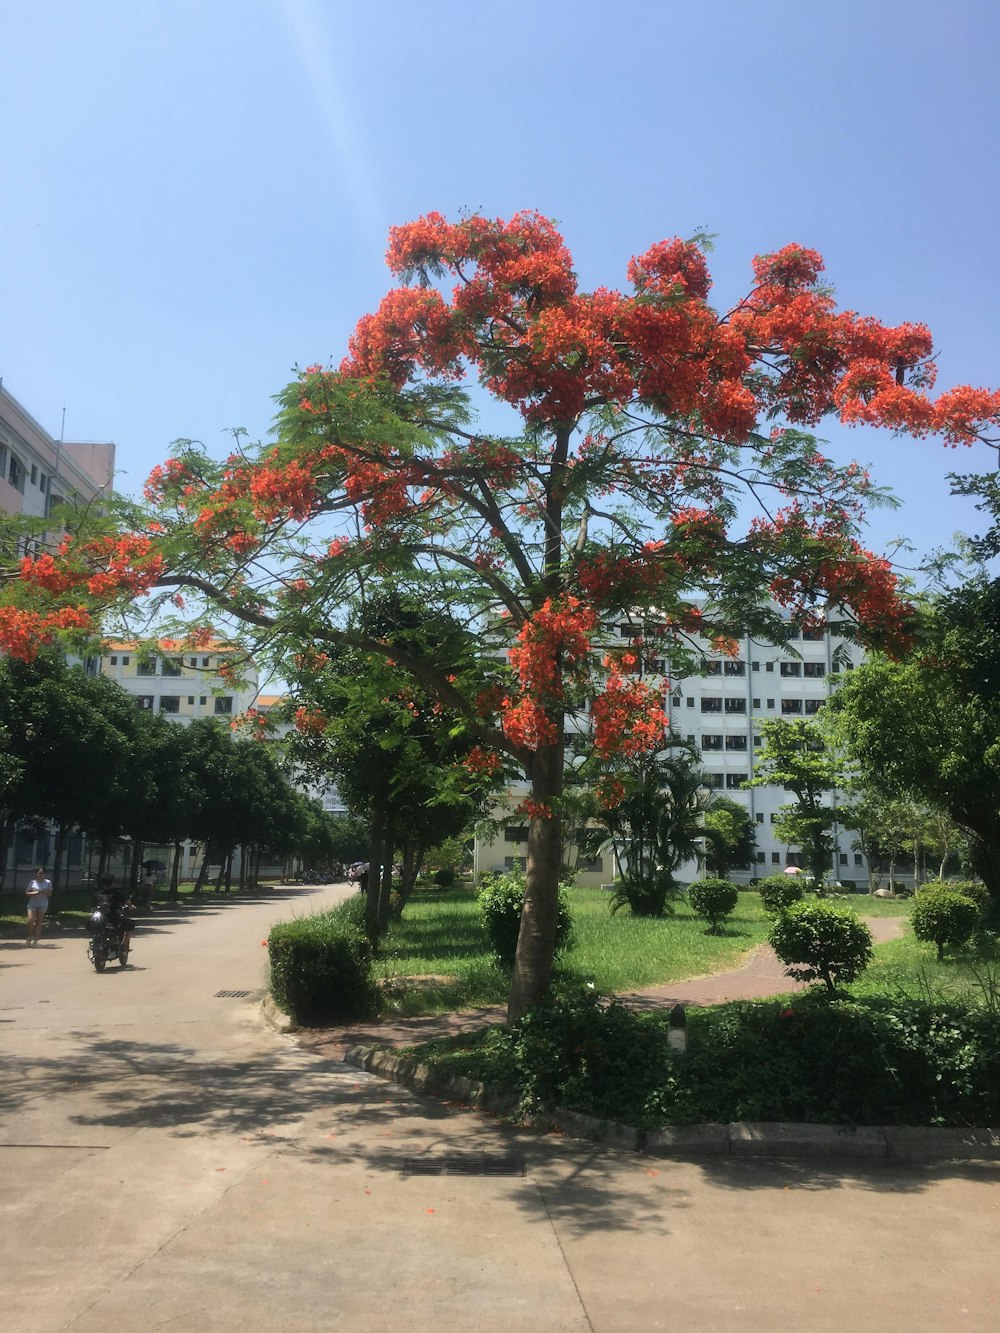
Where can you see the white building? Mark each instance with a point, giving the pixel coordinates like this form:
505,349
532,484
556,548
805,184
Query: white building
38,472
182,685
720,714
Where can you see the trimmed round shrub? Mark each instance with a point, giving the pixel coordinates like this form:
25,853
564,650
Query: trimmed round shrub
445,877
501,899
779,891
321,967
714,899
820,942
944,917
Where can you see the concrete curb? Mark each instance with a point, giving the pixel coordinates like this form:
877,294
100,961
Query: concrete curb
276,1018
899,1143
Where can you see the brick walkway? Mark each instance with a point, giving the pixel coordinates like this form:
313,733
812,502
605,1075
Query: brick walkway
760,976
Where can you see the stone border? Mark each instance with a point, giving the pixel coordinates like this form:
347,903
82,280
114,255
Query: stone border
899,1143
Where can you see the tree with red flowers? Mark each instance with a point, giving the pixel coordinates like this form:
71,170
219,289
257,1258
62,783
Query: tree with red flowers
639,446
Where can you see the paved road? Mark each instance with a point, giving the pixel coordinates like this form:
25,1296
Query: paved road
168,1163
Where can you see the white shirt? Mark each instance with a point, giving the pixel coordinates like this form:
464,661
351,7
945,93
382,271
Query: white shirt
39,891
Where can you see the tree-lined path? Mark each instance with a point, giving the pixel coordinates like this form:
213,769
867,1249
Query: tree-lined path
169,1162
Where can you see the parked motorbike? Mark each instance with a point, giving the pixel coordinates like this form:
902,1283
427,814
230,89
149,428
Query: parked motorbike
107,939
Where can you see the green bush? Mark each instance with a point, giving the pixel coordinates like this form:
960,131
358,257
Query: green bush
713,899
943,916
445,877
818,941
875,1061
501,898
321,967
779,891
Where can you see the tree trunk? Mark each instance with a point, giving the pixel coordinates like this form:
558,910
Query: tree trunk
373,884
537,937
199,883
175,873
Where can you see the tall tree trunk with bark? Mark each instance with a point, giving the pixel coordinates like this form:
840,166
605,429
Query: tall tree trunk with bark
536,940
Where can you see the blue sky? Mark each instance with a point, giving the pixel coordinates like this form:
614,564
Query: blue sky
196,195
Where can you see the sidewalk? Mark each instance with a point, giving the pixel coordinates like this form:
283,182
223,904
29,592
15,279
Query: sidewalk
760,976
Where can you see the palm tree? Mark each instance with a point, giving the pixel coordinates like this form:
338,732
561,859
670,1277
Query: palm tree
657,827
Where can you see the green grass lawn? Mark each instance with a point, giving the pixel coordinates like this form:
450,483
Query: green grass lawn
441,935
909,967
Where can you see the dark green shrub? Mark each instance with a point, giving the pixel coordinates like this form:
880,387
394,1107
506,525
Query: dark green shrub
582,1052
445,877
714,899
944,917
779,891
820,942
650,898
501,898
321,967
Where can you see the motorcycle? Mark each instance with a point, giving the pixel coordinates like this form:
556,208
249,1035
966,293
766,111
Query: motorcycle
107,940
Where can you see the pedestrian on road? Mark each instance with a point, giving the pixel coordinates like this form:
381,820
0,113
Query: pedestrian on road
39,893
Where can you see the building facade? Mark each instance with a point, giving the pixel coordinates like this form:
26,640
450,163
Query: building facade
719,713
39,472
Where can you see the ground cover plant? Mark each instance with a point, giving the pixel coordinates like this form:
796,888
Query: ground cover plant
806,1058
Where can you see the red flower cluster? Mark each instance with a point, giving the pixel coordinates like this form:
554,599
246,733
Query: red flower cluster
310,721
23,633
628,717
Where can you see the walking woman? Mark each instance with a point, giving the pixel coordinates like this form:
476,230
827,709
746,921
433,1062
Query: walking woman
39,893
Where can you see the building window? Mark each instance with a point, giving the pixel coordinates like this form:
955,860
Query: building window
711,742
814,634
770,703
170,703
759,818
711,704
768,666
34,474
736,705
205,661
194,661
595,863
776,858
814,669
759,859
773,818
813,705
843,858
126,660
224,703
190,698
713,780
734,669
735,780
172,666
146,669
754,666
858,859
736,742
43,482
203,700
689,702
790,668
114,661
791,706
690,738
15,474
516,833
144,701
713,668
515,863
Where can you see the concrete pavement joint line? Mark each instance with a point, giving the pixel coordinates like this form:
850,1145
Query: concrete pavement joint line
899,1143
169,1240
562,1255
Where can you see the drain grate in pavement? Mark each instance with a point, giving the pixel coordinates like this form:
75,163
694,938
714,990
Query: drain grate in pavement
234,994
464,1164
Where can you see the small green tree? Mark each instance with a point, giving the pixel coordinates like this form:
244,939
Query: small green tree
944,917
795,755
714,899
821,942
736,842
778,892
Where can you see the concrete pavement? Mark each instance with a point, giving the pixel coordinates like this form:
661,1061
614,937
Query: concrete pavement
168,1162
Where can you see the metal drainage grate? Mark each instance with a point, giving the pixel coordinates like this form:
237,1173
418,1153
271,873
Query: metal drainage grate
464,1164
235,994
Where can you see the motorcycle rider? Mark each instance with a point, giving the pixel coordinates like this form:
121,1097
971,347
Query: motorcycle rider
114,901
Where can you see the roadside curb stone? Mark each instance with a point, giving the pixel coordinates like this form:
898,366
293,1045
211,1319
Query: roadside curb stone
900,1143
276,1018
